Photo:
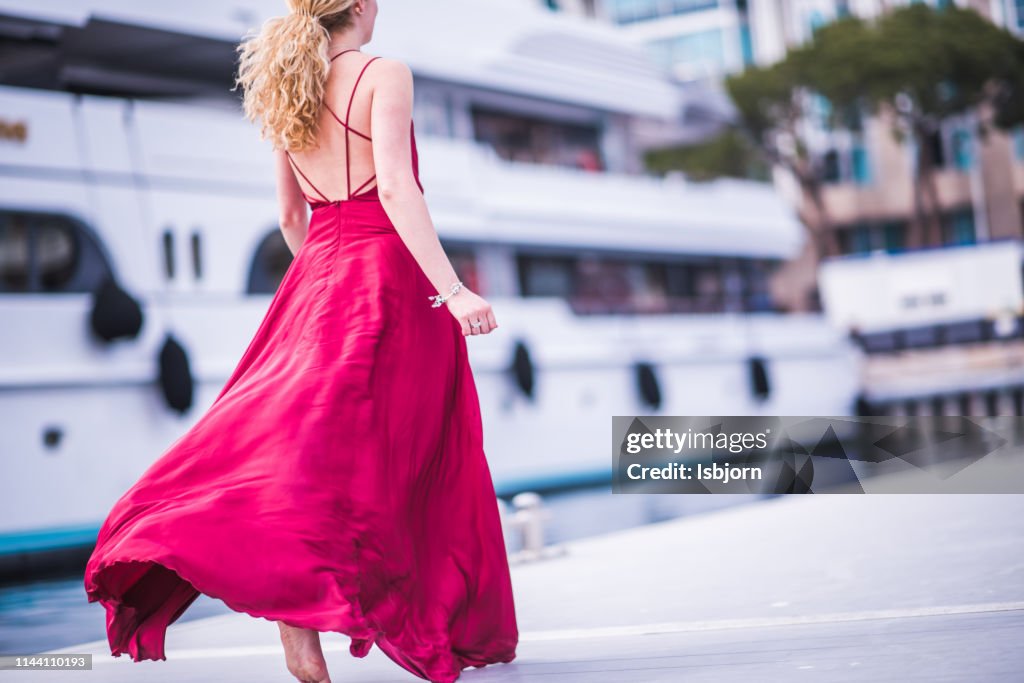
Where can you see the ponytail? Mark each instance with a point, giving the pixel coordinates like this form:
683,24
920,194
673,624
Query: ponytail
283,68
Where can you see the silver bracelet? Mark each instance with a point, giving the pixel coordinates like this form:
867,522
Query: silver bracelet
439,299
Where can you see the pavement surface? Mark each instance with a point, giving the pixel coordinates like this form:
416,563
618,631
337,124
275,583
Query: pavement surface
830,587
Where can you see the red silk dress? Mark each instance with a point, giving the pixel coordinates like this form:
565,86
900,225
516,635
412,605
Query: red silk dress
338,482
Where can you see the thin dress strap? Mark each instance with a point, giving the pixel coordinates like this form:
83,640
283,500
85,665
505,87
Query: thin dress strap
351,49
348,129
336,117
348,114
315,189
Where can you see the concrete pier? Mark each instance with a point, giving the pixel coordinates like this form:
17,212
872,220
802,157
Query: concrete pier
883,587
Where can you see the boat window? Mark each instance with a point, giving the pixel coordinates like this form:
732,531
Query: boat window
546,275
463,260
516,137
50,253
617,283
57,254
603,286
197,263
14,254
757,284
168,242
695,287
269,264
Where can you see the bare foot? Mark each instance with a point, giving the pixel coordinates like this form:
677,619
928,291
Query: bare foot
303,654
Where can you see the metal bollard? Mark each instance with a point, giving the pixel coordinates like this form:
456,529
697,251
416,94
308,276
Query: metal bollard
529,519
527,522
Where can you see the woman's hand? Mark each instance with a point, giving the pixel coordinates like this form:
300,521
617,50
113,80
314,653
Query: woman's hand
468,307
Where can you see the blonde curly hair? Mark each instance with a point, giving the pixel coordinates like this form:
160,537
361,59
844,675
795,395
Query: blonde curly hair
282,70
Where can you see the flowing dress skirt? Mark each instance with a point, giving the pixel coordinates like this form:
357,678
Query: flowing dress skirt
338,482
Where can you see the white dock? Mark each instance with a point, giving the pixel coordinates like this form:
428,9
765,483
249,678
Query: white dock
883,587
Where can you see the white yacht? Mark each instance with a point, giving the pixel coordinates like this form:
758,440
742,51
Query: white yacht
940,330
139,247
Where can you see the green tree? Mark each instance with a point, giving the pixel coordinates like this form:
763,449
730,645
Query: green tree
921,66
772,103
727,154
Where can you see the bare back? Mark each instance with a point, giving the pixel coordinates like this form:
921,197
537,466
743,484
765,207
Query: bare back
341,166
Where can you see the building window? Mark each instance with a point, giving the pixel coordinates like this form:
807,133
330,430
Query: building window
859,164
1018,141
867,236
855,239
830,170
815,20
692,55
661,52
894,235
631,11
958,227
746,44
685,6
961,143
822,111
938,153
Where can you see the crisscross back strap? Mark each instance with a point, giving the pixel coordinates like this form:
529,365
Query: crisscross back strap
348,114
338,118
348,129
299,170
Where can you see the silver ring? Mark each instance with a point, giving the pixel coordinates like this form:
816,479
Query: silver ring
476,324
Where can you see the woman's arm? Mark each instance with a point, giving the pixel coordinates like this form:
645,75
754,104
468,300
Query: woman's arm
292,205
390,122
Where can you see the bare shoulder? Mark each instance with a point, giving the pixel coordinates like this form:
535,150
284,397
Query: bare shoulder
393,74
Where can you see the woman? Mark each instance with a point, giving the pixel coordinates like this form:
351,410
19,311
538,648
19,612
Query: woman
338,482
